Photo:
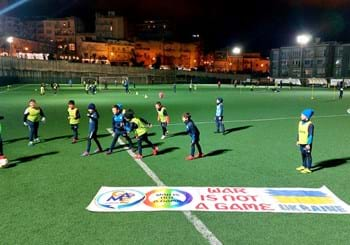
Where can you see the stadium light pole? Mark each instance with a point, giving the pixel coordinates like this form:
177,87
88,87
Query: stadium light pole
237,51
303,40
10,41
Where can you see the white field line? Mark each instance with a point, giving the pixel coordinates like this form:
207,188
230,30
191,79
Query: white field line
11,89
258,120
192,218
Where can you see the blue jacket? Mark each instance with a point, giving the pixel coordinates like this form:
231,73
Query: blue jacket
118,122
192,130
93,121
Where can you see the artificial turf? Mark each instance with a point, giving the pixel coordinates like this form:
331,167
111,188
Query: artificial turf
43,195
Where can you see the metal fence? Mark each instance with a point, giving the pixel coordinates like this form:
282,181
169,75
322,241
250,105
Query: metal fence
13,70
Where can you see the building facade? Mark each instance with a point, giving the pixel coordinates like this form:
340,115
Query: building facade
154,30
111,26
25,48
114,52
62,32
34,29
11,26
316,60
169,54
222,61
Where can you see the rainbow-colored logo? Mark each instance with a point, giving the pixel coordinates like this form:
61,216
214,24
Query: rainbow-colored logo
167,198
118,199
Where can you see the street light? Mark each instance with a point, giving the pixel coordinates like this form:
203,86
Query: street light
304,39
236,50
10,41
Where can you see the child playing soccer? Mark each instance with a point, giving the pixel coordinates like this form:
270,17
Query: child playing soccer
32,116
304,140
74,118
140,126
42,89
2,156
219,116
194,133
118,126
163,118
93,127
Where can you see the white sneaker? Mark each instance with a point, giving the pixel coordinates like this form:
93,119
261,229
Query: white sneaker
163,137
37,140
30,143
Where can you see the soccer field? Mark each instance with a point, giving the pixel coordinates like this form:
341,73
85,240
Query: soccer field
44,193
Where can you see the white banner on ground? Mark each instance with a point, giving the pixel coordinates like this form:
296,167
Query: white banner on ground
218,199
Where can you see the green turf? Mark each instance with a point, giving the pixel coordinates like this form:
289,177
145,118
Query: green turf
43,197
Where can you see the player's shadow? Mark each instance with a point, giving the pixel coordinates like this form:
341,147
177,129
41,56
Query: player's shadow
103,135
182,133
217,152
144,145
149,135
331,163
20,160
232,130
14,140
167,150
57,138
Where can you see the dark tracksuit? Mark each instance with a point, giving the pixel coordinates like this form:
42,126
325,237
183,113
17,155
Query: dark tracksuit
219,117
93,127
118,123
194,133
1,147
341,92
126,85
306,154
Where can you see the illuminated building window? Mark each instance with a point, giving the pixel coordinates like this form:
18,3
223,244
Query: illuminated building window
71,47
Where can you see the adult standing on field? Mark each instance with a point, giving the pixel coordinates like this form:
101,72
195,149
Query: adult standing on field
32,116
341,90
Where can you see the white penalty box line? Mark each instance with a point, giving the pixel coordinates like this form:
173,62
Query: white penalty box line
192,218
11,89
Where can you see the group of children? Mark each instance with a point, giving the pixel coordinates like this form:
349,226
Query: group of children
125,121
54,87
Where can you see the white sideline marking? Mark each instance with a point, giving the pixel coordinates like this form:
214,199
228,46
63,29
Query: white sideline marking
11,89
258,120
192,218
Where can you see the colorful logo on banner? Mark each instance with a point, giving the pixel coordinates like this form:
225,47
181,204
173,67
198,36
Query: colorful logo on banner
300,197
167,198
118,199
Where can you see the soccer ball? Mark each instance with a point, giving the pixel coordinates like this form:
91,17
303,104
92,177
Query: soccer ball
161,95
146,96
348,110
137,93
3,162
